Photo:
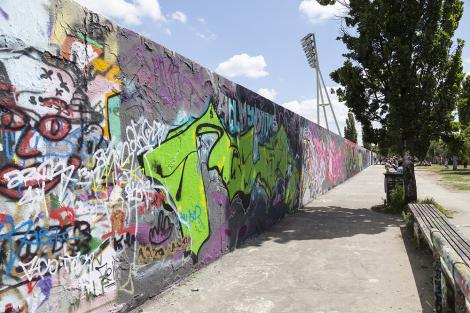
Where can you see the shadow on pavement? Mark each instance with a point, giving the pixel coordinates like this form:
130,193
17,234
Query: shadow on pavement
326,223
318,223
422,268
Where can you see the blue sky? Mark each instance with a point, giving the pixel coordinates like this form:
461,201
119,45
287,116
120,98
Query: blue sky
256,43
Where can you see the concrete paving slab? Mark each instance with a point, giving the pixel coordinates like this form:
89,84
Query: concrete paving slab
336,255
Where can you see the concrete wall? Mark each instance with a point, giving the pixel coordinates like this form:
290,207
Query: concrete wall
125,166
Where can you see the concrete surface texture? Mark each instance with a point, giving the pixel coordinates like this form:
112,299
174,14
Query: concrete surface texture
125,166
334,256
456,201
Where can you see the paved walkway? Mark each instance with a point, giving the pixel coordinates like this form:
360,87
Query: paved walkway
455,200
336,255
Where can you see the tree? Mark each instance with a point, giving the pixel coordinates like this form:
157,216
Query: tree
464,104
458,142
366,143
350,131
466,139
455,144
327,2
402,70
437,151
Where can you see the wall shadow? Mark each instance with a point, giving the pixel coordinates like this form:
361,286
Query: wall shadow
325,223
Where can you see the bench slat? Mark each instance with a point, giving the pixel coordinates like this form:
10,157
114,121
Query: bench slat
449,230
422,224
429,218
425,223
450,247
453,237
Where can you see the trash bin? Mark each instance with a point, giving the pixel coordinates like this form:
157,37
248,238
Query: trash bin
392,181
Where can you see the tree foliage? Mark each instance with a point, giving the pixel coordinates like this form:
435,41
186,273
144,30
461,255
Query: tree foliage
350,131
437,148
454,142
464,104
466,139
403,71
459,141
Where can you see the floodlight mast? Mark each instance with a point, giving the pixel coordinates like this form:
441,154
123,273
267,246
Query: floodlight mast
310,48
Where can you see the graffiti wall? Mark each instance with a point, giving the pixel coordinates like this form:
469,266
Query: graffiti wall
125,166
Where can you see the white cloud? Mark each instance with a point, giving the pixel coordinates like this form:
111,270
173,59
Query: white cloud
201,20
317,13
179,16
131,12
308,109
466,65
208,36
167,31
243,65
268,93
305,108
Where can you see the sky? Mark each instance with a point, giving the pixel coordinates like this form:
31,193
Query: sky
255,43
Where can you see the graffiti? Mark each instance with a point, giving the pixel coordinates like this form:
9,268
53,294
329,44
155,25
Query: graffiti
150,253
327,161
239,117
24,241
176,166
18,183
124,166
40,267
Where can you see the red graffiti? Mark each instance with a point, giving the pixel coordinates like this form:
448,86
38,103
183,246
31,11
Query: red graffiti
117,225
65,216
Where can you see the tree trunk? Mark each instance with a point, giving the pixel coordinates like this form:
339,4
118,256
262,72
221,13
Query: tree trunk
455,163
409,180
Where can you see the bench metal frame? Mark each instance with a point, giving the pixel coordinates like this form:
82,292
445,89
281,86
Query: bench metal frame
451,251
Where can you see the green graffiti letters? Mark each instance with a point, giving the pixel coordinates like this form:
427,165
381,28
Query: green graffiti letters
175,164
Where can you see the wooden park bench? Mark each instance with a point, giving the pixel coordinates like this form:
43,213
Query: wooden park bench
451,251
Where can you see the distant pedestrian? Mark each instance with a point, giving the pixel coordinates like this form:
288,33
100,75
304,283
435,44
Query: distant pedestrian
465,163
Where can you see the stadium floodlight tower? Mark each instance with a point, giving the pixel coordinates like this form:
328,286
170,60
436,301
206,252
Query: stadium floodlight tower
310,47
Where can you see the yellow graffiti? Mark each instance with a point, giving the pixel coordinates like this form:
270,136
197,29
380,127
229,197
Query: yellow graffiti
149,253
